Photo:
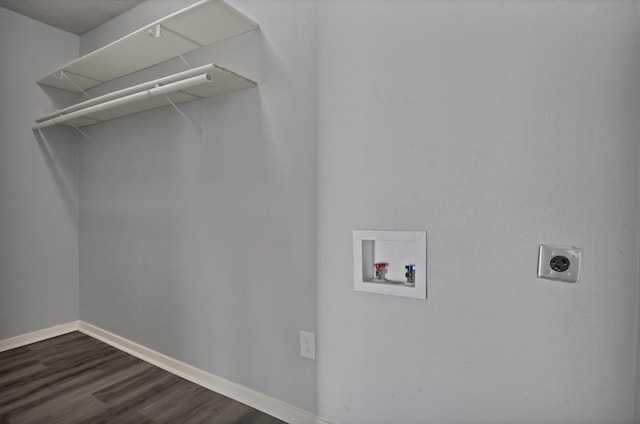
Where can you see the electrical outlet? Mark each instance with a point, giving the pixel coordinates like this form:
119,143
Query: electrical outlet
560,263
307,345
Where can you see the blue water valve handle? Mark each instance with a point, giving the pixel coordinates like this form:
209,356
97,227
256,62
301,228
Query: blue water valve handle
409,268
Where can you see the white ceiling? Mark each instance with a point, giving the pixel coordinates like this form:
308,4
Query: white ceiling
75,16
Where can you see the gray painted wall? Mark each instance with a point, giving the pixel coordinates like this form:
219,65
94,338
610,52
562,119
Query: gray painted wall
203,248
495,126
38,183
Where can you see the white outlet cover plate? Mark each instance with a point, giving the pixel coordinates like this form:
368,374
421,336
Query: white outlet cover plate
547,252
307,345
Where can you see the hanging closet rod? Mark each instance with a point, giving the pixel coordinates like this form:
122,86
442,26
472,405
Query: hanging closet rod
129,90
158,90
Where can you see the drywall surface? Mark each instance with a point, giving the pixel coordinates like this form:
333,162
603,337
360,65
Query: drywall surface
203,246
38,183
495,126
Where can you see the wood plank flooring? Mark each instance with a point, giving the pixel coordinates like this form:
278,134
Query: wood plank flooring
76,379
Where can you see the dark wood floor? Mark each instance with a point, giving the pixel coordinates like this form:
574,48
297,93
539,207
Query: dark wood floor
75,379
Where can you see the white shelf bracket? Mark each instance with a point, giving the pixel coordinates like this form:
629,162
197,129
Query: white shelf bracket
41,137
157,32
63,75
88,136
186,118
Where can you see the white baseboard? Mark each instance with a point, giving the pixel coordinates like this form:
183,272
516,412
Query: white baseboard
254,399
257,400
38,336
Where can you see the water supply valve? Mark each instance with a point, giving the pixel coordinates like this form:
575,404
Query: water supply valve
410,274
381,271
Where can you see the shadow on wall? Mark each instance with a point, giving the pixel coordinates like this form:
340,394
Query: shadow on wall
59,99
58,160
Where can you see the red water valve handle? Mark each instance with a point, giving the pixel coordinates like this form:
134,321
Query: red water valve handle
380,265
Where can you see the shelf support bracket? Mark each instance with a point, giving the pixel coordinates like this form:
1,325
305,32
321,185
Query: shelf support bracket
63,75
186,118
156,32
42,137
88,136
